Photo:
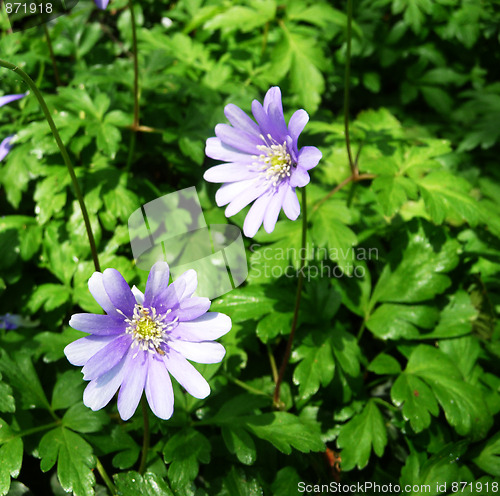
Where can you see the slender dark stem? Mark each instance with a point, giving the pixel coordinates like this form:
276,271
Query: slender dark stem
264,39
345,182
105,477
272,362
145,441
135,125
352,164
288,350
136,65
52,56
64,153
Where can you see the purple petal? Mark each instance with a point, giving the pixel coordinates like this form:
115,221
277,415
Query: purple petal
191,308
226,173
101,325
238,139
240,120
219,151
185,285
299,177
102,4
96,288
274,109
291,205
133,383
228,192
80,351
107,358
138,295
157,283
297,123
5,147
273,209
255,215
10,98
211,325
118,291
159,392
246,197
170,297
100,391
201,352
263,120
186,375
309,156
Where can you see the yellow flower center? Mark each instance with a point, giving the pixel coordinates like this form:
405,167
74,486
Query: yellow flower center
274,161
148,329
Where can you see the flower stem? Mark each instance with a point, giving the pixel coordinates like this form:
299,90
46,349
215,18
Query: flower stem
135,124
52,56
352,164
272,362
145,441
245,386
105,477
288,350
64,153
136,64
345,182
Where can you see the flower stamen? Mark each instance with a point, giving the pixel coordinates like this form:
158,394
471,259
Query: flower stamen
274,162
148,329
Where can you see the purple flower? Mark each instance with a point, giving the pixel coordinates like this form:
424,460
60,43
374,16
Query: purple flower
143,338
264,162
5,147
10,98
102,4
11,321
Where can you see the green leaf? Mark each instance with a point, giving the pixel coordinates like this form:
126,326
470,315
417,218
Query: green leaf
239,443
329,232
184,452
441,468
7,403
51,344
285,431
50,296
463,404
74,457
447,195
273,325
250,302
346,351
393,321
384,364
238,483
23,377
393,192
108,139
82,419
286,482
489,457
417,399
245,19
134,484
68,390
357,438
416,272
306,64
11,456
316,367
456,318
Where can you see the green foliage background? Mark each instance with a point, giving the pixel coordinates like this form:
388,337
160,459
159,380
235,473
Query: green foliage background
395,373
